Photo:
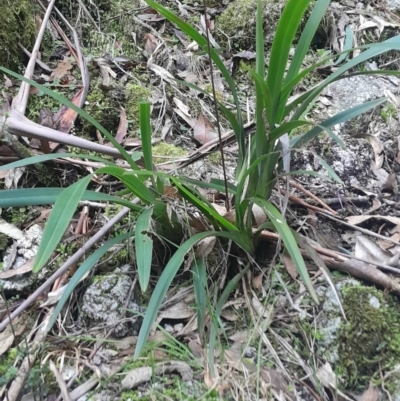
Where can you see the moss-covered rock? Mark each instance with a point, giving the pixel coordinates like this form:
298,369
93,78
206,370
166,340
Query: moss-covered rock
369,342
17,24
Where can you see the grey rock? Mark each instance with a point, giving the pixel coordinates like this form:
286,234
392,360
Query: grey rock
104,302
23,250
348,92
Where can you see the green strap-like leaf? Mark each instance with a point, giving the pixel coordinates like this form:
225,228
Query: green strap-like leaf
59,219
339,118
168,275
48,196
348,44
44,158
290,243
200,284
130,179
303,242
196,199
288,25
143,247
161,288
302,48
231,286
373,50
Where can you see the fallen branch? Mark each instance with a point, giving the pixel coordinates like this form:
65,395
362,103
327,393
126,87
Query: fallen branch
15,123
366,270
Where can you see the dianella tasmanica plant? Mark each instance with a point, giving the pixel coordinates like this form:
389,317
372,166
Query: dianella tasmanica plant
262,159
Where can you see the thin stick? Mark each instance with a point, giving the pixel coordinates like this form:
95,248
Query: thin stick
73,259
20,101
311,195
221,146
339,256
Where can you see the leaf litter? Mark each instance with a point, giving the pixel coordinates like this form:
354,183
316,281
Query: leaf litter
197,122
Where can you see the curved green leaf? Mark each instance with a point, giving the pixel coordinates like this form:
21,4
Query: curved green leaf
203,43
143,247
48,196
339,118
130,179
59,219
288,25
231,286
199,275
348,43
44,158
373,50
168,275
290,243
302,48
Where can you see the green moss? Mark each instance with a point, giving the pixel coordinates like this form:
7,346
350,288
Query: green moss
7,371
175,389
39,102
241,30
166,149
103,108
369,343
135,94
17,24
20,215
388,112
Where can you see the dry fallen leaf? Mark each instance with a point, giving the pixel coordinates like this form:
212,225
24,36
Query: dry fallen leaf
6,340
367,249
240,336
378,152
274,379
329,380
257,281
181,310
122,127
290,266
150,44
203,130
196,348
361,219
229,316
62,69
136,377
184,370
371,394
205,246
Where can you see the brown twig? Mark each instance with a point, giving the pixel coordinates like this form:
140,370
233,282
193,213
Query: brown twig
311,195
221,146
362,268
301,202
